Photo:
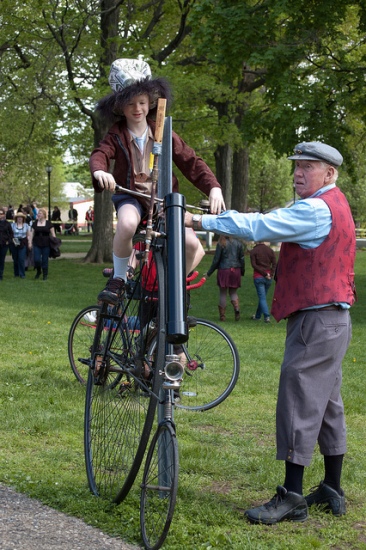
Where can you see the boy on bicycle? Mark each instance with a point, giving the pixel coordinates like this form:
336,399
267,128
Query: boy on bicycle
130,108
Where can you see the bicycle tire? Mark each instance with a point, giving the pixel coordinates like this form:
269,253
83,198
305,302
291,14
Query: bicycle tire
211,367
80,342
119,417
159,487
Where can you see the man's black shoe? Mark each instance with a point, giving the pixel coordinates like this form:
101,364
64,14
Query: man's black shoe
328,497
285,505
113,291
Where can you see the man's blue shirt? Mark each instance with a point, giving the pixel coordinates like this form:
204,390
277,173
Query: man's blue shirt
307,222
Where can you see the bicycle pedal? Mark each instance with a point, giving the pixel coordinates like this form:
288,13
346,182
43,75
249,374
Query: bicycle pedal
83,361
124,387
98,370
107,272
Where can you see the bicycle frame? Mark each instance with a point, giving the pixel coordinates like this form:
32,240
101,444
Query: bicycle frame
117,455
176,296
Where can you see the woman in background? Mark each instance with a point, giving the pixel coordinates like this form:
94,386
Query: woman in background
264,263
20,243
229,262
41,231
6,235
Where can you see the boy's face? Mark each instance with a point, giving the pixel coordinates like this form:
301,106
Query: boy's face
137,109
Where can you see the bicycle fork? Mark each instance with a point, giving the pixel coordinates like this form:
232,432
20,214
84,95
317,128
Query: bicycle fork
173,374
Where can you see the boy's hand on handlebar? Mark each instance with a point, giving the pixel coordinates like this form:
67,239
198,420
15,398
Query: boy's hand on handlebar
217,203
105,180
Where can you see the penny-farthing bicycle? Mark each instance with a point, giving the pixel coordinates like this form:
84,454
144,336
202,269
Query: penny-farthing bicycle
140,358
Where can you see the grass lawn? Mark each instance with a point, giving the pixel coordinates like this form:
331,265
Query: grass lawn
227,455
76,243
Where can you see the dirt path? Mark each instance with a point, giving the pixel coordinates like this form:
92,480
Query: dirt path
28,524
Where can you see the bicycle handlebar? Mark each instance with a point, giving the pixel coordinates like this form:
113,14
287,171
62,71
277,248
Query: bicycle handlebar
205,207
108,272
192,277
197,285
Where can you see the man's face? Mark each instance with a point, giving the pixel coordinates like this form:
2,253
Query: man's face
310,176
137,109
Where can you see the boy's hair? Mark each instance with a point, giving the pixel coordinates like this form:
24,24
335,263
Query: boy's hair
130,78
111,106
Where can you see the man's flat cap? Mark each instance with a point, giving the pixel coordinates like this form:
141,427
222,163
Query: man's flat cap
315,150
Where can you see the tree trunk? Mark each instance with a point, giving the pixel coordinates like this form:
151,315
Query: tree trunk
240,180
223,158
101,248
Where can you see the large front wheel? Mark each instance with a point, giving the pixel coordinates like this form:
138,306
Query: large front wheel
119,412
159,487
123,389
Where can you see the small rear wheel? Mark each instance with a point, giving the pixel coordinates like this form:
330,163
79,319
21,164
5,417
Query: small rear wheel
211,366
80,341
159,487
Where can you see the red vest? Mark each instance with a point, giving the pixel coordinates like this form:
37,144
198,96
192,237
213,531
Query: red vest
322,275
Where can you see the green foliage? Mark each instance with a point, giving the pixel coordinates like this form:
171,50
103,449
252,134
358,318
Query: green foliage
271,177
227,455
279,71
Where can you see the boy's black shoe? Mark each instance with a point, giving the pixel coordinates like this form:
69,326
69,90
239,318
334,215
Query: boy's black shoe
113,291
328,497
285,505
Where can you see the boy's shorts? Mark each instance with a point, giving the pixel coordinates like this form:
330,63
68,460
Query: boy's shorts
119,199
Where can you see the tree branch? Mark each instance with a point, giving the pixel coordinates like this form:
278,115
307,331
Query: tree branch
182,32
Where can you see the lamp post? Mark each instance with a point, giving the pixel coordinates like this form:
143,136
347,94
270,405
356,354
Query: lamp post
49,170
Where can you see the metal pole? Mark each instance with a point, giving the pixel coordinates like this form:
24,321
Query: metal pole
176,294
166,161
49,195
49,170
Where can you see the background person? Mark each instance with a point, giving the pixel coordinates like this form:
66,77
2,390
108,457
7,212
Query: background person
264,262
6,236
129,142
56,219
28,213
314,291
34,210
20,243
230,265
10,213
73,217
41,231
89,218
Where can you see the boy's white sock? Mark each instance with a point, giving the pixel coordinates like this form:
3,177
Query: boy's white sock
120,267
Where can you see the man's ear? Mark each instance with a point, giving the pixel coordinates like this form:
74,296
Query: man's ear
330,173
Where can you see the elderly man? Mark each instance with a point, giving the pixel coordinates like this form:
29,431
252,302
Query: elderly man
314,291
